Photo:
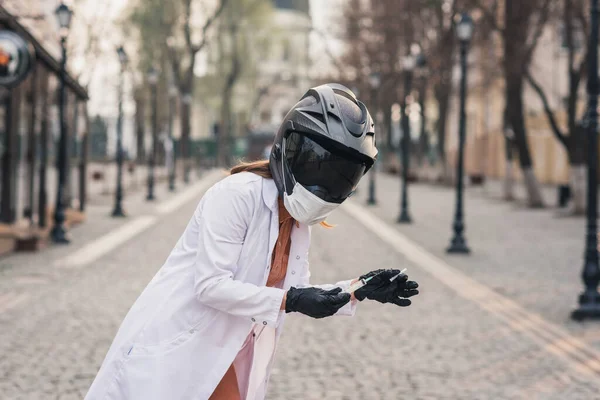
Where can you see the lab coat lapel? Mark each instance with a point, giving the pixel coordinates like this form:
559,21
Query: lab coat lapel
270,194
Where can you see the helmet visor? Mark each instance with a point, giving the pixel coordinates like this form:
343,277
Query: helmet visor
328,173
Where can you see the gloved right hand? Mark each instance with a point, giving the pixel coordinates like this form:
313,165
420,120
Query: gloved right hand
381,289
315,302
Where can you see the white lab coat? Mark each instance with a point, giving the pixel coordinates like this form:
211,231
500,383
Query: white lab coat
186,328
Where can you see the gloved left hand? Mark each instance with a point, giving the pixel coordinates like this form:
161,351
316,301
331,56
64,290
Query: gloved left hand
380,289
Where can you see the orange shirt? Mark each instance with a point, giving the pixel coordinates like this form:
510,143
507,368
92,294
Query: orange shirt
281,253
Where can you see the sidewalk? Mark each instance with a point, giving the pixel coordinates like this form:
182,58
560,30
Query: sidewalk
21,272
533,257
443,347
105,186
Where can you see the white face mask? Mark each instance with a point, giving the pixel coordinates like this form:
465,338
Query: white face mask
305,207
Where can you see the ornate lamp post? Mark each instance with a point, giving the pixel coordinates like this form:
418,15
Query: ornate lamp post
589,300
408,65
118,210
374,82
58,233
464,31
153,81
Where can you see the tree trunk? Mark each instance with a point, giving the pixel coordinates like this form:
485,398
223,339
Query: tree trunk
185,117
225,131
388,129
422,126
509,179
443,100
516,119
577,180
232,77
139,130
577,168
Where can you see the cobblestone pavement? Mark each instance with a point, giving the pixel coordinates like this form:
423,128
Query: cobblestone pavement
442,347
23,269
52,343
534,257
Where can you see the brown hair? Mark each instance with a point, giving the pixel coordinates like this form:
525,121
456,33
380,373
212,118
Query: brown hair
261,168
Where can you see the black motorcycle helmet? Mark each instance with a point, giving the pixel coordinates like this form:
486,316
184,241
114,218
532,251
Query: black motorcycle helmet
326,143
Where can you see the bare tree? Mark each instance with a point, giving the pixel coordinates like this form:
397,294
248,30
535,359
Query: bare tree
380,32
572,137
149,23
184,74
242,30
522,25
86,45
441,59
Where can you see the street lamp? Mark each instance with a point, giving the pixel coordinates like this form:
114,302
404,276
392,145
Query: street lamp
118,210
589,300
374,82
63,15
58,233
153,81
408,65
464,32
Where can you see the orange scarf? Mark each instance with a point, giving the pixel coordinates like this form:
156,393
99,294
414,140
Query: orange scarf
281,254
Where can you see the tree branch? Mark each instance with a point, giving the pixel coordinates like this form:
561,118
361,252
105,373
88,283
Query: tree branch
568,24
544,13
197,47
175,66
582,19
549,113
187,30
489,15
328,51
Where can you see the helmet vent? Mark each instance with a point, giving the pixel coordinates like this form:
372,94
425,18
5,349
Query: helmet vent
316,115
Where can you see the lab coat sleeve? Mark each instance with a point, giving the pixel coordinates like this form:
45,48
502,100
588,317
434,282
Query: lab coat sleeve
348,309
222,225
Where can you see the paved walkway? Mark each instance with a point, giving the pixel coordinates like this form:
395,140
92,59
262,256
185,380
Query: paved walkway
463,338
21,273
534,257
442,347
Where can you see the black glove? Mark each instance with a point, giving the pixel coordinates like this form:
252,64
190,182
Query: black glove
315,302
382,290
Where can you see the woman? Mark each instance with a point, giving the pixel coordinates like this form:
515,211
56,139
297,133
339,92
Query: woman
207,325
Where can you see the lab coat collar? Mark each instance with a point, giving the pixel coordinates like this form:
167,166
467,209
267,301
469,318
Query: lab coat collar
270,194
